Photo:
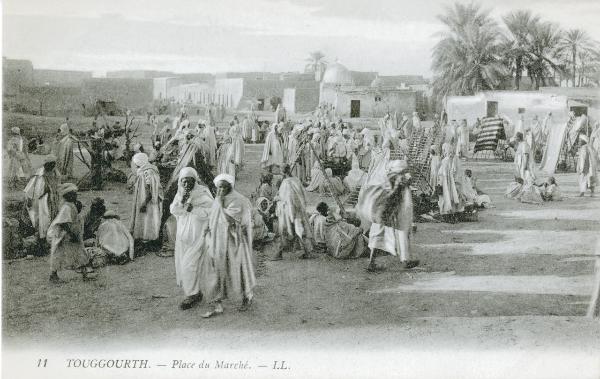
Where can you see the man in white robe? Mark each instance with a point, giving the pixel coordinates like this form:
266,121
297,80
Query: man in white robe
42,198
449,200
64,161
230,249
523,159
273,155
19,165
114,238
146,211
389,209
291,214
587,166
191,208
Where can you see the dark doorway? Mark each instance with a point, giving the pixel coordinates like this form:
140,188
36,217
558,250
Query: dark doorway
261,104
354,108
492,109
579,110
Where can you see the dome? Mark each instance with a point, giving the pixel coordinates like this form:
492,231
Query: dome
337,74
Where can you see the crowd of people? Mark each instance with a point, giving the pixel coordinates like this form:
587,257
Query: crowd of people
195,213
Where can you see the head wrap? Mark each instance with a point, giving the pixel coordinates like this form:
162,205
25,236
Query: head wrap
110,214
15,130
396,167
65,188
50,158
224,177
137,147
64,128
260,200
329,172
140,159
188,172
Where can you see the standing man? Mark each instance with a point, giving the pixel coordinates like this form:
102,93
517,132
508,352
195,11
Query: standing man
64,161
291,214
65,236
273,150
389,209
587,166
523,159
230,247
42,197
148,195
191,208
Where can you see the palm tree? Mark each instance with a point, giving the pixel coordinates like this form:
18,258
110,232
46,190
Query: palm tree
518,42
466,59
315,62
545,52
575,40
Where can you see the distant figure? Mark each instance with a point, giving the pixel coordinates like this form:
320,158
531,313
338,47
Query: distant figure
19,165
42,196
587,165
273,150
146,209
64,161
65,236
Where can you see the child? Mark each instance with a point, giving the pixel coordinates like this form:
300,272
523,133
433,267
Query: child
317,222
65,236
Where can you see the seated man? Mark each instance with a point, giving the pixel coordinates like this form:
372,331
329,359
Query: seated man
336,237
551,191
471,194
115,239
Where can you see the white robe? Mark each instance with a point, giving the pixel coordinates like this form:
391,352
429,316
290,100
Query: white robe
272,151
191,249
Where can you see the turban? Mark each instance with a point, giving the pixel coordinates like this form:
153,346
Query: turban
396,167
15,130
65,188
188,172
110,214
140,159
64,128
50,158
261,200
224,177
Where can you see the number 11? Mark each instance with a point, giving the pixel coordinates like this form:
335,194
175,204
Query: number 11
42,362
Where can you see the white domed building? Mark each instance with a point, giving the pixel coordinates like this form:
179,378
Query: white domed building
362,94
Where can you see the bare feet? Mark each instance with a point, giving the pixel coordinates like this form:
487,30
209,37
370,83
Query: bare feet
217,310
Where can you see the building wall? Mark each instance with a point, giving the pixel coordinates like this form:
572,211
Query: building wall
126,93
60,78
16,73
138,74
162,87
373,102
509,102
229,92
289,100
50,100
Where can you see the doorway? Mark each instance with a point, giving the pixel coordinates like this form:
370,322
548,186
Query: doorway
354,108
579,110
261,104
492,109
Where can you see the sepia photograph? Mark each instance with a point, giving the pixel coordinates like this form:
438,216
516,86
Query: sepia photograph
300,189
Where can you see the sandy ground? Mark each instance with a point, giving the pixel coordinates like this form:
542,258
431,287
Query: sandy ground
519,280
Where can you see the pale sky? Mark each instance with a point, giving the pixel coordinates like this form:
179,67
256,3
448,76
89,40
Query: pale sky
389,36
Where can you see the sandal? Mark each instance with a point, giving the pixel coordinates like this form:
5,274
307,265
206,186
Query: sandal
212,313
